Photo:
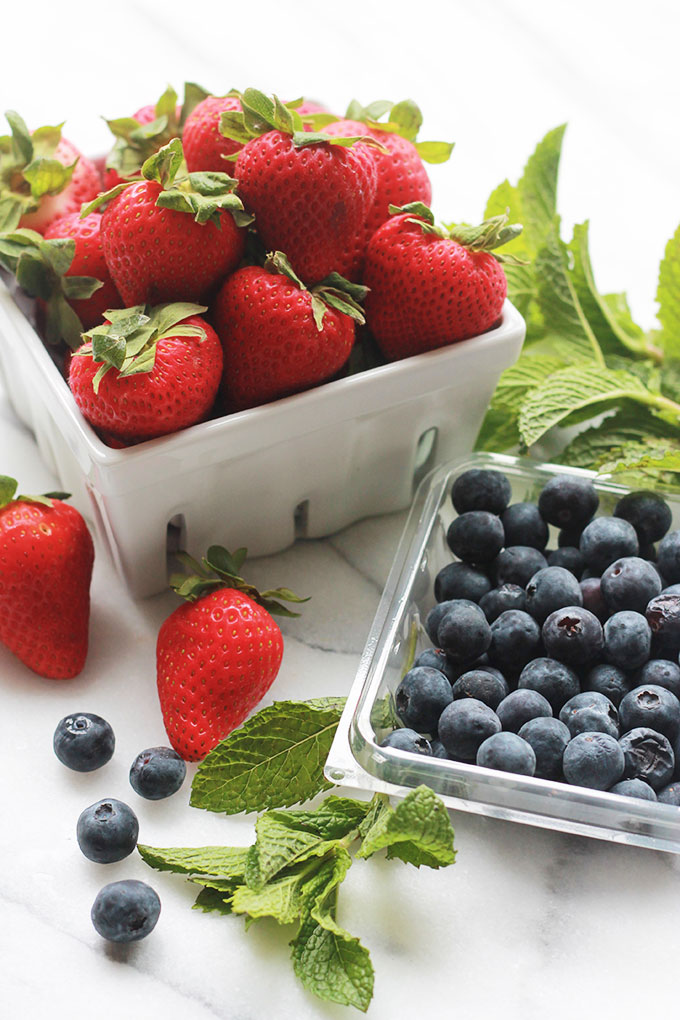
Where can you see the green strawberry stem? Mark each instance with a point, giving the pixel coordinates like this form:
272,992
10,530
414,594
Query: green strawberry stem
28,169
488,236
221,569
332,292
404,119
8,488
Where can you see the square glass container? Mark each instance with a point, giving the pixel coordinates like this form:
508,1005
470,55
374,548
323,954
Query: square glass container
397,634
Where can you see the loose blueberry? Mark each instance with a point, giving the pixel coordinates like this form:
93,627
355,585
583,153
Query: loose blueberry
517,565
507,752
589,699
466,724
482,685
407,740
421,697
662,673
460,581
568,557
593,600
630,583
668,557
548,737
647,512
523,525
463,631
652,707
670,794
594,760
107,831
573,635
607,539
481,489
125,911
476,537
519,707
591,719
568,501
627,639
555,681
84,742
157,773
648,755
550,589
515,640
609,680
497,601
436,658
663,616
633,788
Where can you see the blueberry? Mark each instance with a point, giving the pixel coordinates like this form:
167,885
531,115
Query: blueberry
633,788
609,680
482,685
107,831
573,635
517,565
125,911
662,673
569,557
548,737
607,539
670,794
630,583
627,639
672,589
594,760
663,616
421,697
591,719
555,681
464,725
157,773
570,537
84,742
523,525
589,699
593,600
495,602
653,707
550,589
437,614
507,752
519,707
515,640
463,631
457,669
476,537
668,557
407,740
438,749
568,501
648,755
436,658
460,581
481,489
647,512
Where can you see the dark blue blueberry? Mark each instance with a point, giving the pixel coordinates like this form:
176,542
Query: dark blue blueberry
648,552
569,557
457,669
647,512
463,631
573,635
495,602
593,600
672,589
589,699
107,831
507,752
523,525
591,719
519,707
570,537
125,911
627,639
633,788
630,583
407,740
609,680
464,725
555,681
548,737
648,755
421,697
515,640
460,581
594,760
668,557
662,673
84,742
653,707
568,501
476,537
517,565
157,773
437,614
663,616
438,749
481,489
482,685
550,589
607,539
670,794
436,658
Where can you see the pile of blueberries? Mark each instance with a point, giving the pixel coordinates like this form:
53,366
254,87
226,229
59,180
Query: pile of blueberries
107,831
560,664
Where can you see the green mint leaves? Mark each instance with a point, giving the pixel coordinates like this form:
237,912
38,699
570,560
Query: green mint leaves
294,869
28,169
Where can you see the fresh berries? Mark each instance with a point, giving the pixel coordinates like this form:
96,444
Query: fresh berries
125,911
568,501
84,742
107,831
594,760
421,697
157,773
481,489
205,147
88,260
507,752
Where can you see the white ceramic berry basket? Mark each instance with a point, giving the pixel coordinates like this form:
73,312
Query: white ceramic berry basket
301,467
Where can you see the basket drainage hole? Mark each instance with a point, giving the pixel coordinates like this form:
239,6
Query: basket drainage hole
301,519
426,454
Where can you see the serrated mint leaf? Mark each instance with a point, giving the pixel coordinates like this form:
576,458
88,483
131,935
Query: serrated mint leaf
332,964
278,846
628,431
418,831
648,458
499,431
333,819
212,901
530,371
281,899
225,861
274,760
668,296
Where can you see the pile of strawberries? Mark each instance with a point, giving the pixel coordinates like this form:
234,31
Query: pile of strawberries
240,244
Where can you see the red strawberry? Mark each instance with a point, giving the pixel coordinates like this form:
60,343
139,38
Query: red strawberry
88,260
278,337
161,375
218,654
428,286
46,557
204,146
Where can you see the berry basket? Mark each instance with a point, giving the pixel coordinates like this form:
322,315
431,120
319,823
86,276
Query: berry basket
301,467
397,635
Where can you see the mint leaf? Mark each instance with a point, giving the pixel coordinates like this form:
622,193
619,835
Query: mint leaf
224,861
610,439
283,899
212,901
333,819
418,831
668,296
275,759
278,846
529,372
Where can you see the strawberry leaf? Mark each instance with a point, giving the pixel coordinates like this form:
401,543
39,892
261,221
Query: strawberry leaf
163,166
48,176
20,135
193,95
434,152
8,487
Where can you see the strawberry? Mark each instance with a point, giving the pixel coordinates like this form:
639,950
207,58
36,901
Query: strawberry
310,192
42,176
204,147
46,557
218,654
147,372
432,286
171,236
88,260
278,337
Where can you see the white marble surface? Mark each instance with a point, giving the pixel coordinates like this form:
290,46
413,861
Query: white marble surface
528,923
